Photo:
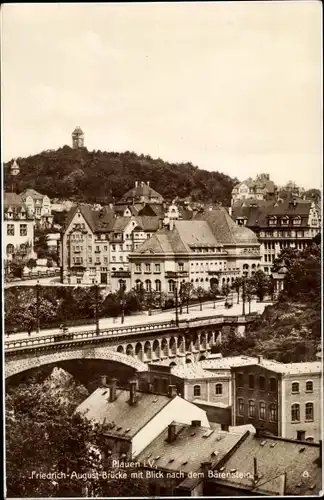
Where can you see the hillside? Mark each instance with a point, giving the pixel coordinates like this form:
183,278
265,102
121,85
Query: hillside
97,176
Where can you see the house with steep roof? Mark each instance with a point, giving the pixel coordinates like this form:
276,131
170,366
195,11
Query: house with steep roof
260,188
208,251
291,223
282,399
141,194
39,206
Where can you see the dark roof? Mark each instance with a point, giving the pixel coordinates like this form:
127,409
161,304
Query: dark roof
97,407
192,446
12,200
98,221
276,457
77,131
152,209
140,191
148,223
34,194
225,230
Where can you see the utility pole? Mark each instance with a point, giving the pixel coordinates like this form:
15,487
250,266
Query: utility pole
243,297
180,292
122,302
37,306
176,303
96,310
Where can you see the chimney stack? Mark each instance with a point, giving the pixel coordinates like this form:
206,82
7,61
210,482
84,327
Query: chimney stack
196,423
113,390
172,433
260,359
206,466
142,184
103,380
172,391
132,391
148,183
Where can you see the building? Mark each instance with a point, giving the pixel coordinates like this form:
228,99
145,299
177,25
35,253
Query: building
140,195
209,251
260,188
268,466
132,419
39,206
96,245
281,399
182,455
290,223
18,228
77,138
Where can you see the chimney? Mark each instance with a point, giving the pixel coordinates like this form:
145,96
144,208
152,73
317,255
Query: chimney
196,423
172,391
171,224
113,390
260,360
148,183
142,184
225,427
136,184
258,432
132,391
172,433
103,381
206,466
255,469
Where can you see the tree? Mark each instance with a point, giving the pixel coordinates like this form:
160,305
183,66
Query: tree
213,291
260,283
237,285
111,305
200,293
187,290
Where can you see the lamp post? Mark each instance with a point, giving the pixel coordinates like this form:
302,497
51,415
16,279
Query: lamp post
176,304
96,308
181,297
122,302
243,296
37,306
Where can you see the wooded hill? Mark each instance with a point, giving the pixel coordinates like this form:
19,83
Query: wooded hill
102,177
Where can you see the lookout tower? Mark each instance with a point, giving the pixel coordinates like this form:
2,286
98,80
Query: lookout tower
77,138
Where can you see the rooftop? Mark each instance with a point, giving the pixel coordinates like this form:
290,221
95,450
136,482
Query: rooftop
192,371
275,457
119,417
287,369
227,362
141,192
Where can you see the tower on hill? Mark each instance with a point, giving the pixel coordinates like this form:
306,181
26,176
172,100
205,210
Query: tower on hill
77,138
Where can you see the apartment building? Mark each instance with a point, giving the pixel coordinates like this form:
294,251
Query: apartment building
18,227
39,206
260,188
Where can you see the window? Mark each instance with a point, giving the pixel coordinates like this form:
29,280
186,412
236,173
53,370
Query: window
158,285
240,380
11,230
105,260
23,229
114,258
285,221
240,406
251,381
113,247
138,268
105,248
309,412
171,286
180,266
272,221
10,249
301,435
97,260
121,258
157,268
147,268
261,383
262,410
196,390
295,387
309,386
138,284
310,439
273,412
121,248
90,260
148,285
97,248
219,389
251,408
297,221
89,248
295,412
273,385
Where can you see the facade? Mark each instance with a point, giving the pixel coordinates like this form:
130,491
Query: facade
39,206
278,225
96,245
18,227
208,251
77,138
260,188
281,399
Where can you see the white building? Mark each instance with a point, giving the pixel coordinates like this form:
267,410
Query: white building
39,206
18,228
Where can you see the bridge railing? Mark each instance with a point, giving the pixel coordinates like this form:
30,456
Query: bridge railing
106,333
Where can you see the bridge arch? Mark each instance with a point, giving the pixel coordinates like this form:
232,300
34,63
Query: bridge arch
14,366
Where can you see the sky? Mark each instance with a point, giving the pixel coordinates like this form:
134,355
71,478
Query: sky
229,86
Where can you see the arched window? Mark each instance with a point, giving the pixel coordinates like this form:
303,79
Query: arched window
251,381
246,266
219,389
309,386
240,406
295,412
262,410
273,412
295,387
171,286
251,408
10,249
138,284
285,221
148,285
297,221
196,390
309,412
158,285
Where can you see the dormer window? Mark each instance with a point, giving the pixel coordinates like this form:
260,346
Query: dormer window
297,221
285,221
272,221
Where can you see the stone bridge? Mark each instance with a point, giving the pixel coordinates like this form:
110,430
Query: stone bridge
134,346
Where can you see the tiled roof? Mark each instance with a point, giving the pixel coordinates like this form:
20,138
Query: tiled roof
139,191
192,371
275,457
192,446
225,230
147,222
77,130
163,241
292,368
34,194
152,209
133,417
195,233
227,362
12,200
98,220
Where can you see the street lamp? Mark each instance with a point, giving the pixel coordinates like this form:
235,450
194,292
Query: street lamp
96,308
176,303
122,302
37,306
243,296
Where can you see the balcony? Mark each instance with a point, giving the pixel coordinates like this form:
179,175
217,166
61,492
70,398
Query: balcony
176,274
121,274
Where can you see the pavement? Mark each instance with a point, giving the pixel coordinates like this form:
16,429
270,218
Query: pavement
32,282
140,319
